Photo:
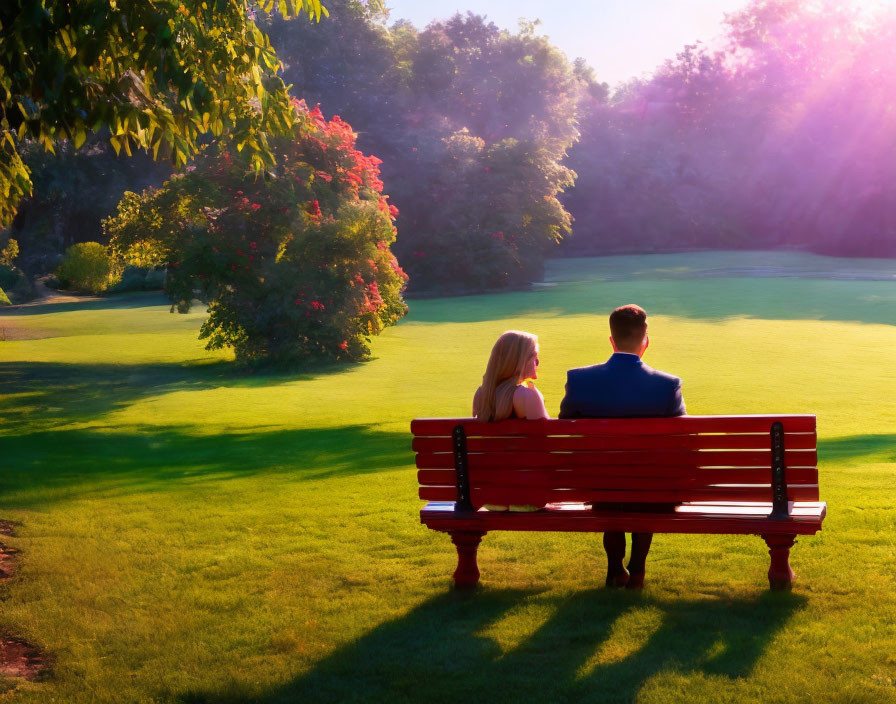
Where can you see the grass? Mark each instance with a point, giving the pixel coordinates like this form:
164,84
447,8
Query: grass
191,533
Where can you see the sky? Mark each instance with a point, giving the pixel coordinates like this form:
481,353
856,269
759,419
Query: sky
618,38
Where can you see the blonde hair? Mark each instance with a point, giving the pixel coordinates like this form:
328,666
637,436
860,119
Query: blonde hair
506,366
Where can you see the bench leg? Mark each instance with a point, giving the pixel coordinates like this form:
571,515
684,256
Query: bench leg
780,576
467,542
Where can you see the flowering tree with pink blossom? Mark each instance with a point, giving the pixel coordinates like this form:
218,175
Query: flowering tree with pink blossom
292,266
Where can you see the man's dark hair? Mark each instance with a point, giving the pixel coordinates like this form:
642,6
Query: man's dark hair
628,325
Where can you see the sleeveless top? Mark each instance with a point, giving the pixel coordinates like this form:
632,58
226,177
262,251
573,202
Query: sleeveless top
513,415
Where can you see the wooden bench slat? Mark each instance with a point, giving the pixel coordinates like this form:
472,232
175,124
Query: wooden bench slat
541,497
616,426
547,443
585,458
806,519
437,493
799,510
625,476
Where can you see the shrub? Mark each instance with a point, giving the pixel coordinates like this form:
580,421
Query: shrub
292,266
9,276
139,278
155,280
88,267
133,278
9,253
16,285
4,299
23,290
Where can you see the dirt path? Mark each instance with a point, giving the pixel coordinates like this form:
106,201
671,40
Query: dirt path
47,295
19,659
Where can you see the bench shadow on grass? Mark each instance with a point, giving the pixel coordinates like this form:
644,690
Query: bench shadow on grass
855,446
439,651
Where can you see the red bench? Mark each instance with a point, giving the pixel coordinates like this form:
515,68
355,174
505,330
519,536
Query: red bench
740,475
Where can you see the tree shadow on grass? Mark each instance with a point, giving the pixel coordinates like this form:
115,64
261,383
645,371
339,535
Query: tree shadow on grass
142,299
39,468
438,652
694,299
43,395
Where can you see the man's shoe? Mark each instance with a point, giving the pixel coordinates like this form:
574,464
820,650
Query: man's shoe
635,581
620,579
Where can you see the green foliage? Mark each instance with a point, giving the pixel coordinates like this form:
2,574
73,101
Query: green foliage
88,266
9,253
293,266
140,233
158,75
475,121
4,299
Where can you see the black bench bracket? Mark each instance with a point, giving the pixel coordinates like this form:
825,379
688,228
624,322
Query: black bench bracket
779,478
462,470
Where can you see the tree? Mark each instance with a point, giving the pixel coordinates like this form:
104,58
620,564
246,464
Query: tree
292,266
159,74
472,123
778,138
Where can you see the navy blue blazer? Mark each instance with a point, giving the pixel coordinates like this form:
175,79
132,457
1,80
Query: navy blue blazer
622,387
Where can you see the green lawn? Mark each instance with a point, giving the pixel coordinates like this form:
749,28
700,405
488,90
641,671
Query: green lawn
191,533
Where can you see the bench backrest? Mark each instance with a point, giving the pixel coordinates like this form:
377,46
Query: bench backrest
651,460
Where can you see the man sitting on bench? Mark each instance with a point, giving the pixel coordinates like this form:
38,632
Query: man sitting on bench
624,387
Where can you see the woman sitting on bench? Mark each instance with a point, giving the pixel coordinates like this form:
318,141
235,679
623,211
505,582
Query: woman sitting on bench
508,387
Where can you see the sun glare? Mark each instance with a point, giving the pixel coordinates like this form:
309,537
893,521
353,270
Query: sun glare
875,5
